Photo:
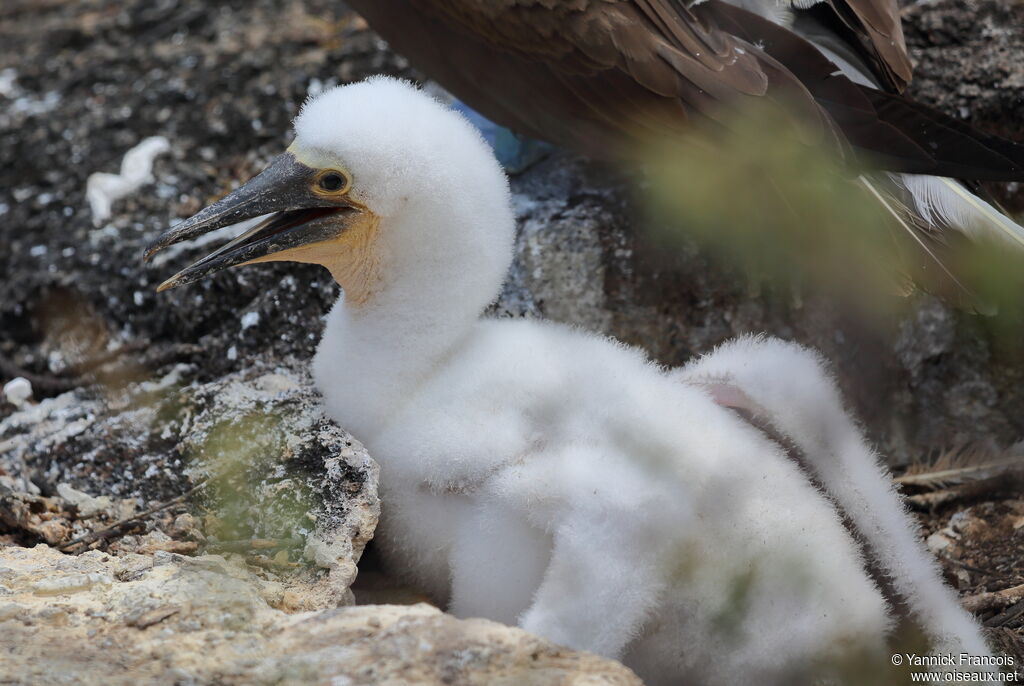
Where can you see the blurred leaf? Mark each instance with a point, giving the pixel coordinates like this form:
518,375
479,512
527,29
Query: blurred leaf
785,210
755,192
247,496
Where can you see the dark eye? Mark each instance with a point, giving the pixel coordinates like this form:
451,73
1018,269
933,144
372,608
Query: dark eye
332,181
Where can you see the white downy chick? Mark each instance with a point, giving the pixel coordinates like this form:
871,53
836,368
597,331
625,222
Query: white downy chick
538,474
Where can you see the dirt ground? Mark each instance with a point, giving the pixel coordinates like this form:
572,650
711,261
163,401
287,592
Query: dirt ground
979,542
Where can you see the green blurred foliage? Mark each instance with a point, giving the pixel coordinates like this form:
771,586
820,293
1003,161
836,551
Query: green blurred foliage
789,213
755,192
247,497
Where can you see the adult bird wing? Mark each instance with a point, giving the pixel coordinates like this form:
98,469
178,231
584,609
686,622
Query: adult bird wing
596,76
590,75
871,28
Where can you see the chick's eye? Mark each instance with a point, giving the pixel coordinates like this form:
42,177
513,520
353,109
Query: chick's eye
332,181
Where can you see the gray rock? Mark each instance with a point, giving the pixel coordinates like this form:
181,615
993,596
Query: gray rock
969,62
263,462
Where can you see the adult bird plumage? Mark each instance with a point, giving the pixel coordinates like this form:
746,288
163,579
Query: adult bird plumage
537,474
603,77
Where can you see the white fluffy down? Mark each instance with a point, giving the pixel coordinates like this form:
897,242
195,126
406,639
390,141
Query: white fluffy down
790,388
543,475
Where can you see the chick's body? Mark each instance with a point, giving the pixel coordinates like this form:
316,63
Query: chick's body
544,476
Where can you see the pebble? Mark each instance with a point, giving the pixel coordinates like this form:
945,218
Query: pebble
18,391
250,319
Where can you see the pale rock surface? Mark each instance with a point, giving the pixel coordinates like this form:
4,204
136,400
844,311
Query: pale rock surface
100,619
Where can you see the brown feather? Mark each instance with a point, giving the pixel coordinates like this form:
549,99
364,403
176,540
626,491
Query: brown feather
598,76
592,75
877,26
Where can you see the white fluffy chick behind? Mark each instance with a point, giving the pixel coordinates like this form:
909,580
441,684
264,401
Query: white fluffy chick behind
538,474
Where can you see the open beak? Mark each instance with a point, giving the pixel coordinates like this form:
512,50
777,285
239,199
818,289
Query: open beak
297,216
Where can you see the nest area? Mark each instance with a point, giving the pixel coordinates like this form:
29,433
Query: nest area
82,82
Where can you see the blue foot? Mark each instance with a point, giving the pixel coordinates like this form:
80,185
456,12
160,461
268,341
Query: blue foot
515,152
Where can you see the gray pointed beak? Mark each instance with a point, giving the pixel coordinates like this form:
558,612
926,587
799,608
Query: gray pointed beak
297,216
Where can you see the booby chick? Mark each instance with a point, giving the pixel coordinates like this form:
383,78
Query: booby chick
537,474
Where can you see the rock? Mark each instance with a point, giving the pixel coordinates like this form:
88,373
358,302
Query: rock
128,619
969,62
941,542
271,475
86,505
68,585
